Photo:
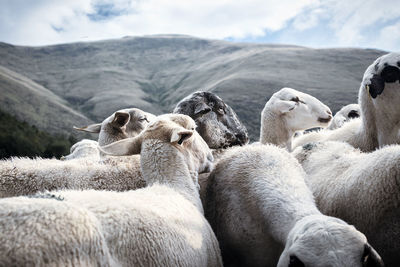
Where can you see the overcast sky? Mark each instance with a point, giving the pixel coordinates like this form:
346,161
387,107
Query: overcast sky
336,23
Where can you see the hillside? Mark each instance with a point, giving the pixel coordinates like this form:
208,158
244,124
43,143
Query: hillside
21,139
154,72
35,104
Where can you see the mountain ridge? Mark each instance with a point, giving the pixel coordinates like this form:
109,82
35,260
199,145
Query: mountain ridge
154,72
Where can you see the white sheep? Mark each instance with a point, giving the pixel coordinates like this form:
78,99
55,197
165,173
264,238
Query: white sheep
378,98
360,188
289,111
121,124
47,231
84,149
346,113
160,225
24,176
263,214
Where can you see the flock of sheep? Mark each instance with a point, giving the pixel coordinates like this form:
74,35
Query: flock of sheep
188,190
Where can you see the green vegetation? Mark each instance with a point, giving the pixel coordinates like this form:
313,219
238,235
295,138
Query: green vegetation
21,139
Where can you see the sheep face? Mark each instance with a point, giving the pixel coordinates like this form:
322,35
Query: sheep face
384,71
327,242
168,132
216,122
345,114
300,111
122,124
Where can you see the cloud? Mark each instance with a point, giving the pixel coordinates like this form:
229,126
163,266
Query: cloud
349,23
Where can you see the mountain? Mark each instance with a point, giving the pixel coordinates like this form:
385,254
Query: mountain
35,104
82,82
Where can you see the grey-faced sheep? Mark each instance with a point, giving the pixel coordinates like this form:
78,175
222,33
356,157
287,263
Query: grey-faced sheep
378,97
360,188
216,121
263,214
160,225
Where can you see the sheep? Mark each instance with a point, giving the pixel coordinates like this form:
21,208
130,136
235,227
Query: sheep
47,231
360,188
289,111
345,114
121,124
378,97
216,121
83,149
160,225
285,113
24,176
263,214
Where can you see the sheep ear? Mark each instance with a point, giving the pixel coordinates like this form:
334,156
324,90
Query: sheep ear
92,128
121,118
285,106
376,87
371,258
180,135
201,108
124,147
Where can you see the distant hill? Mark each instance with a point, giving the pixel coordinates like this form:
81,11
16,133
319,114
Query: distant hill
35,104
21,139
88,81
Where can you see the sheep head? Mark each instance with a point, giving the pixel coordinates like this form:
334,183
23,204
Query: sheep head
345,114
300,111
379,96
320,240
175,131
122,124
216,121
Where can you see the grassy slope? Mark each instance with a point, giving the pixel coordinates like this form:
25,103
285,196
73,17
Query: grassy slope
31,102
21,139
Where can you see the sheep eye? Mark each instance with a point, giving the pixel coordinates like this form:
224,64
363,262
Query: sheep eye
353,114
295,262
221,111
144,119
295,99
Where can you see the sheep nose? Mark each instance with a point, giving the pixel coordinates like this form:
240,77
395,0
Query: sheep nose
390,74
329,112
242,137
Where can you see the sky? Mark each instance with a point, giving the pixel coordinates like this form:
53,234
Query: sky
312,23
